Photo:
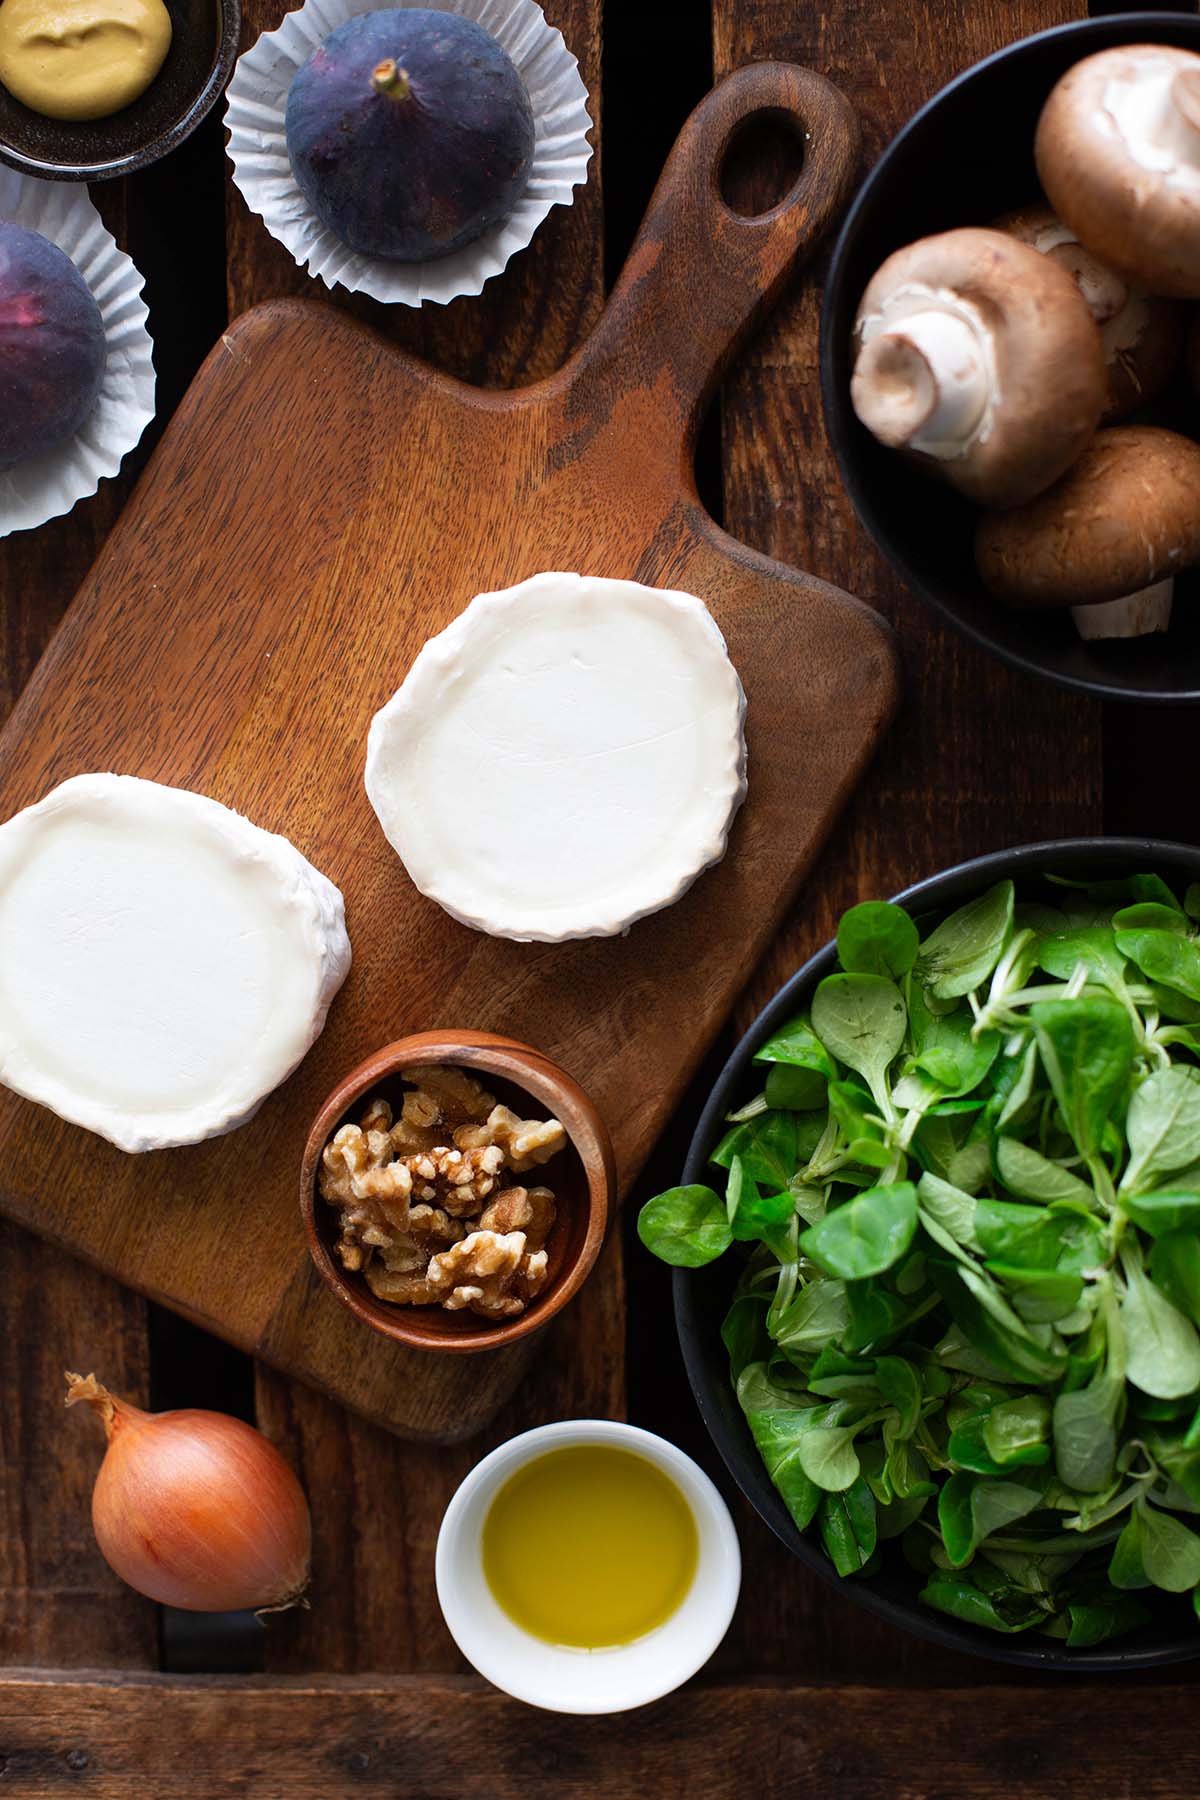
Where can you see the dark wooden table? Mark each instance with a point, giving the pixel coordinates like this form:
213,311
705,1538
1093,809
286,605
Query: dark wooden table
365,1693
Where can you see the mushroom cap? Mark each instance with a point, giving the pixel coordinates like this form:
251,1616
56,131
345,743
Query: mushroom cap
1051,385
1118,153
1125,516
1142,334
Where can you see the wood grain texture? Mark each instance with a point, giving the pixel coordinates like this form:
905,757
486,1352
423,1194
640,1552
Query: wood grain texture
58,1601
446,1739
352,500
978,757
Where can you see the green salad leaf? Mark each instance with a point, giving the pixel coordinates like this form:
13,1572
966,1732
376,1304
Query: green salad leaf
866,1235
877,938
861,1019
962,951
686,1227
1162,1128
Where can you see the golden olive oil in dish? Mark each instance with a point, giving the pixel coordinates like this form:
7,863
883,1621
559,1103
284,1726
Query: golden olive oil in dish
590,1547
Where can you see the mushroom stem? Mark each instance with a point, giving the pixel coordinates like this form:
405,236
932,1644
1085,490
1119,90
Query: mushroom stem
1134,615
1103,289
923,382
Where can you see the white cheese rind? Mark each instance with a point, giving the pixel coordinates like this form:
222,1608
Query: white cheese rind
164,963
564,758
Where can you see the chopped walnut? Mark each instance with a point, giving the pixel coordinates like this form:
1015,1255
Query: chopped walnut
401,1289
432,1226
358,1165
459,1098
425,1216
439,1100
491,1272
458,1180
526,1143
403,1256
378,1116
429,1230
372,1191
530,1210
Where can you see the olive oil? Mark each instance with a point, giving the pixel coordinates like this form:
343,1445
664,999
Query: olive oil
590,1547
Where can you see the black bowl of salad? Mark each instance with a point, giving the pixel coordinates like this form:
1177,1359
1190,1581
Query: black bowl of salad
937,1257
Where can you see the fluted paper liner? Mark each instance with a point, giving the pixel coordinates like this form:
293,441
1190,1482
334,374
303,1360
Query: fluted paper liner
255,109
42,487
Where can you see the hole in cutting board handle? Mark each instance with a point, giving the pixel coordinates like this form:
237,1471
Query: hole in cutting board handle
700,274
762,164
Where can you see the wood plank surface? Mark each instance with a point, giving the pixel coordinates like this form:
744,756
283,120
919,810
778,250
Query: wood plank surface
453,1739
978,757
59,1603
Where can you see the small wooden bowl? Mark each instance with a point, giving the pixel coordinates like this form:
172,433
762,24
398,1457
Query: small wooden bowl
583,1177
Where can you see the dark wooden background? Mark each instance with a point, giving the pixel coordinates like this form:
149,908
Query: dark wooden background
104,1695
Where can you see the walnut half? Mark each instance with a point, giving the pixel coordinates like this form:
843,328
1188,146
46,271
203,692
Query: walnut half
491,1272
531,1210
526,1143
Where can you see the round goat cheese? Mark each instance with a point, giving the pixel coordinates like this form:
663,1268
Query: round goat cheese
164,963
564,758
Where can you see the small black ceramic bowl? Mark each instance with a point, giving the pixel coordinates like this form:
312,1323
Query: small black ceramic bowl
965,158
204,46
702,1296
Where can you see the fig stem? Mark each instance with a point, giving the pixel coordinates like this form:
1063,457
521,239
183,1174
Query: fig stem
387,78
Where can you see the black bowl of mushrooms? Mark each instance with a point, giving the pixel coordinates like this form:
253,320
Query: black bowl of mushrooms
1010,355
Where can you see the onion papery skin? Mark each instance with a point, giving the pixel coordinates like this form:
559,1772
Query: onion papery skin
198,1510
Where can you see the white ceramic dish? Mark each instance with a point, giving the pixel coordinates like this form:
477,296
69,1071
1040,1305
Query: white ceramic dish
585,1681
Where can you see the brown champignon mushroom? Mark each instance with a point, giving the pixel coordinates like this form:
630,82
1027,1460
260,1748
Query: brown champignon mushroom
1142,335
980,359
1118,153
1108,539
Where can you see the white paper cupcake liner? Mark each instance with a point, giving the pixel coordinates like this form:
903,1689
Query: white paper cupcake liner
255,108
42,487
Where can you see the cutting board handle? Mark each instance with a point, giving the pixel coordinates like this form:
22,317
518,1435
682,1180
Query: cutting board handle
699,274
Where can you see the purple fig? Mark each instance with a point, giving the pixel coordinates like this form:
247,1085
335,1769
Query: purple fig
52,347
409,132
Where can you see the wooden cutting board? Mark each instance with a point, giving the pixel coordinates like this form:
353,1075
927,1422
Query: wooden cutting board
319,506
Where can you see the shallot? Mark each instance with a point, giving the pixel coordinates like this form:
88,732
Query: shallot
196,1509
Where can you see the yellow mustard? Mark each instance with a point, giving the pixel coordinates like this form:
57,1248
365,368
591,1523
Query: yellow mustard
81,59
